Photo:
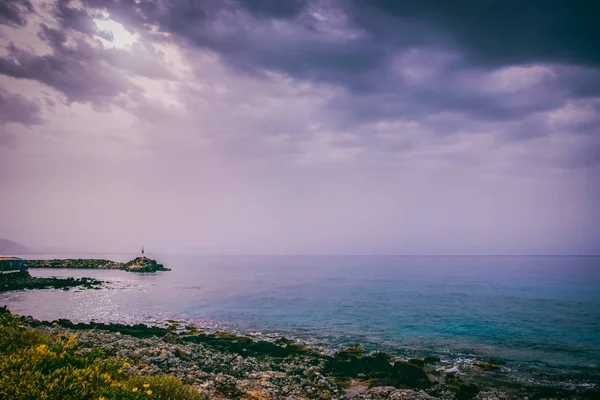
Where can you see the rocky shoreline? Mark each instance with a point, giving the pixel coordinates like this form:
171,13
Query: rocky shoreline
226,366
22,281
139,264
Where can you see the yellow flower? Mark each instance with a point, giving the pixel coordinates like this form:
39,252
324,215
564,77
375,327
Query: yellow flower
101,398
149,392
146,385
134,389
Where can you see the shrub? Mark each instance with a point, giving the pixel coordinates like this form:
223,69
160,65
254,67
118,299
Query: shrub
34,365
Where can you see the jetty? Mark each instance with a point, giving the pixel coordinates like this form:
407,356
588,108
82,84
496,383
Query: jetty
139,264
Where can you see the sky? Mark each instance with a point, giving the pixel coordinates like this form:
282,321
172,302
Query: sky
301,127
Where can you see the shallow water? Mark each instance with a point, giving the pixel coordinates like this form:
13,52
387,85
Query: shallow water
538,315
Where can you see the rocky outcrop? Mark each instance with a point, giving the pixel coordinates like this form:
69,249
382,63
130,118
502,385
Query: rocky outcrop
143,264
222,365
378,367
22,280
139,264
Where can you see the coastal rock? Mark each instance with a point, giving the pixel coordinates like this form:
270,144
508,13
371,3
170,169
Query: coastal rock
22,280
409,394
139,264
491,395
380,393
486,366
452,379
467,392
419,362
227,385
349,363
215,366
406,374
143,264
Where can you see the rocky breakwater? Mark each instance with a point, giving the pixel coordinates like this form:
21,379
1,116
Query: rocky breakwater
139,264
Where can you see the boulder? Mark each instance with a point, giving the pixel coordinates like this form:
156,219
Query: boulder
431,360
467,392
409,375
419,362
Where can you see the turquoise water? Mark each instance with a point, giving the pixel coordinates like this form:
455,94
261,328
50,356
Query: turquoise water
538,316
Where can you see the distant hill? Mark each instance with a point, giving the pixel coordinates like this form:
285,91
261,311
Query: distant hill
8,247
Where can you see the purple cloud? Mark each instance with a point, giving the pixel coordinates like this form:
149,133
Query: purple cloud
389,126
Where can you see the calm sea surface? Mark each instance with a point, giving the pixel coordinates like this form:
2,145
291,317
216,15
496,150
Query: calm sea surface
540,316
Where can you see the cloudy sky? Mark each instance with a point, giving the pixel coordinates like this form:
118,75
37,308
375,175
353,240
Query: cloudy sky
326,126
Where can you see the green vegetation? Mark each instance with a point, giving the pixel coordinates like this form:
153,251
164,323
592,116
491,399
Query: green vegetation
35,365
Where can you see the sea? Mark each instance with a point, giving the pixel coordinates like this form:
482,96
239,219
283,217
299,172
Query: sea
538,317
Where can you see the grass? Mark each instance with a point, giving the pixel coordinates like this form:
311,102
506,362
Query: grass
35,365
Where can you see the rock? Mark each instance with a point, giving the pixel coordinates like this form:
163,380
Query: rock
179,353
431,360
486,366
377,364
22,280
227,385
409,375
419,362
452,379
491,395
467,392
354,388
350,363
441,391
143,264
380,393
409,394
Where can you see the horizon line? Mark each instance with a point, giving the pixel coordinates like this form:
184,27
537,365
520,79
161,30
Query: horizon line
313,254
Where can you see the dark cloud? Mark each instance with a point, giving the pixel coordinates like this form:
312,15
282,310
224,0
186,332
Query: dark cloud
488,32
80,71
353,44
241,32
16,108
72,70
495,32
77,19
14,12
273,8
